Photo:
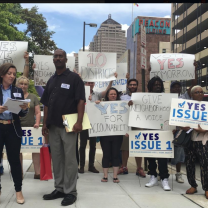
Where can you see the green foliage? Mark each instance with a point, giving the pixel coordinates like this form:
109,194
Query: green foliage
37,34
8,19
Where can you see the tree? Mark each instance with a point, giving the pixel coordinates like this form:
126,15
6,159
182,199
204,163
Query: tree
37,34
8,20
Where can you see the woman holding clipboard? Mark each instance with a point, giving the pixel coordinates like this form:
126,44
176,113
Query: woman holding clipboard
10,128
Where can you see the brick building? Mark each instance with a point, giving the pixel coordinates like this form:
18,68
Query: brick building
157,30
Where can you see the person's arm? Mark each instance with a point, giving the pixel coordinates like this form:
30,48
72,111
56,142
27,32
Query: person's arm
80,108
44,128
109,86
37,116
26,68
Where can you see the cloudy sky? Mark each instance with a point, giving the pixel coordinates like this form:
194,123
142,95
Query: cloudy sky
66,20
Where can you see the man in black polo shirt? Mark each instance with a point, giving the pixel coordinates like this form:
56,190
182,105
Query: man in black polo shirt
64,94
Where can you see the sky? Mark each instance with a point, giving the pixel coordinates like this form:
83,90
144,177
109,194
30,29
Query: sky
67,20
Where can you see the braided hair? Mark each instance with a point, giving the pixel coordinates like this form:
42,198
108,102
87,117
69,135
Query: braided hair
152,82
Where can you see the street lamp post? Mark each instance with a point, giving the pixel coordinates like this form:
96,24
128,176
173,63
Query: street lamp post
91,25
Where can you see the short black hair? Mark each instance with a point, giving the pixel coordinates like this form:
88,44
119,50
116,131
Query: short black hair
130,80
152,82
60,49
107,93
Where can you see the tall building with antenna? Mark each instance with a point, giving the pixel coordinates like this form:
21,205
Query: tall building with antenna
109,38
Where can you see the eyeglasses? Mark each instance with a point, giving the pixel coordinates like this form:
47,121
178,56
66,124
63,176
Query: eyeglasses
199,92
58,56
133,85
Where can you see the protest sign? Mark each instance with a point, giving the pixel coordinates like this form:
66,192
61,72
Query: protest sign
108,118
45,68
120,83
13,52
87,93
151,110
157,144
189,113
32,139
97,66
172,66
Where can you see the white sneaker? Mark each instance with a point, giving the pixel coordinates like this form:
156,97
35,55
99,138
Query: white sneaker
153,181
179,178
165,185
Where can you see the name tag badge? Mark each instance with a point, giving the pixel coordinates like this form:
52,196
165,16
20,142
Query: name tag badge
17,95
66,86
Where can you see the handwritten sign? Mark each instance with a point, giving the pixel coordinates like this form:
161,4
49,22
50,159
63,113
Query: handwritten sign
45,68
95,66
32,139
108,118
189,113
157,144
13,52
151,110
120,83
172,66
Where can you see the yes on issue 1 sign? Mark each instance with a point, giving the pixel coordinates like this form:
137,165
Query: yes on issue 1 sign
157,144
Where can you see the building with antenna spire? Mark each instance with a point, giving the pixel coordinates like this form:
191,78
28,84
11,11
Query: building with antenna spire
109,38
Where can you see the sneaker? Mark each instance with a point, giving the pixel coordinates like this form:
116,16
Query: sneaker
140,172
179,178
165,185
153,181
123,170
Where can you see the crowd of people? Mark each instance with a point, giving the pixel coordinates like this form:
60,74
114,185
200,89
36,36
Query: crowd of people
65,94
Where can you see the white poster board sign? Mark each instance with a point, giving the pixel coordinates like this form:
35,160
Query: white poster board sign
189,113
108,118
172,66
151,110
32,140
97,66
157,144
143,58
120,83
13,52
45,68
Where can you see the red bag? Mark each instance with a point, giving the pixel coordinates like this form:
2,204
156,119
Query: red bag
45,164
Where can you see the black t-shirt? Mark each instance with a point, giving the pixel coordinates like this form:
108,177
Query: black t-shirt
61,96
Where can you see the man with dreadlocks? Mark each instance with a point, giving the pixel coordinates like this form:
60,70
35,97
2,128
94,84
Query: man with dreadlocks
155,85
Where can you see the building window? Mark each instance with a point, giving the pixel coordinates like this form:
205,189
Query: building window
163,50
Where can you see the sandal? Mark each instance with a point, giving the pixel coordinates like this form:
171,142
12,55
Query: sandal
104,179
192,190
115,180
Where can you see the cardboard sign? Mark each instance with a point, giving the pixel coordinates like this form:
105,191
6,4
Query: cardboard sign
13,52
32,140
157,144
108,118
96,66
45,68
172,66
189,113
151,110
120,83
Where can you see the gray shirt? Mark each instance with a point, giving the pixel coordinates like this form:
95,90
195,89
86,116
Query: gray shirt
96,96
